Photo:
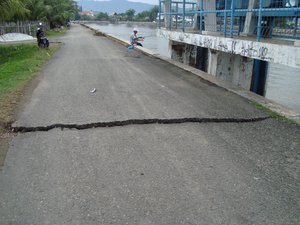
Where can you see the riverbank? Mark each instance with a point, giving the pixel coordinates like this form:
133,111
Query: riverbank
275,110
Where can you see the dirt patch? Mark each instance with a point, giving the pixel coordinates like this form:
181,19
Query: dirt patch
4,142
7,105
10,106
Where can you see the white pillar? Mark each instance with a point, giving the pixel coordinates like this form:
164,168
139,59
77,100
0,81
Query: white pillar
250,22
210,19
196,16
212,62
167,9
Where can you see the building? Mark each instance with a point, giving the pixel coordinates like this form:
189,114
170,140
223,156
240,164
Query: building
234,40
87,13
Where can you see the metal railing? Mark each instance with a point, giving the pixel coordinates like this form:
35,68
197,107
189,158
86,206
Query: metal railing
259,18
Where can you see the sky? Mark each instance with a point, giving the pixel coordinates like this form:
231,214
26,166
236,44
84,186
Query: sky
153,2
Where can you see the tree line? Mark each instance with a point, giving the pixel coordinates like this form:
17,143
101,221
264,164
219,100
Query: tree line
129,15
55,12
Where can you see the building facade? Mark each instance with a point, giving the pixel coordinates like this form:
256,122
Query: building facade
234,40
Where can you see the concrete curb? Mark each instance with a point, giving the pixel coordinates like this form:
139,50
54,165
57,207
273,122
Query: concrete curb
276,107
17,42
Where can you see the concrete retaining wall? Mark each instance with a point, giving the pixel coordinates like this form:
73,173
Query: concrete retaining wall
233,68
276,53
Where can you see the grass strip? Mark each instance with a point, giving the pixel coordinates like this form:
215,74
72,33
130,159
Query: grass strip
56,32
272,114
18,65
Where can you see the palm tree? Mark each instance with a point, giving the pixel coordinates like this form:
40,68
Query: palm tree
56,12
13,8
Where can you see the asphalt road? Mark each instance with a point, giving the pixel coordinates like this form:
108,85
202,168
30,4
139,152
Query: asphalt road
210,173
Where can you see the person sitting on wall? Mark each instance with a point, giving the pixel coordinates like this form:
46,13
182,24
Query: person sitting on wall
134,39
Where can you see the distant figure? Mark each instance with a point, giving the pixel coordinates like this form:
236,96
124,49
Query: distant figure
134,38
68,22
42,41
39,34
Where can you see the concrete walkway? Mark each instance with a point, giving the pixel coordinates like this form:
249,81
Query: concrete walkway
207,173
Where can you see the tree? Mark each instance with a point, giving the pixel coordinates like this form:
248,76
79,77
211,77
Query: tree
153,13
102,16
86,17
130,14
10,9
143,16
56,12
148,15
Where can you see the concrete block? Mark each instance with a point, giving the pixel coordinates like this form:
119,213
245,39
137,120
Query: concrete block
211,33
297,43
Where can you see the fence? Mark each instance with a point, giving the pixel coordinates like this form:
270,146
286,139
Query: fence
25,27
260,18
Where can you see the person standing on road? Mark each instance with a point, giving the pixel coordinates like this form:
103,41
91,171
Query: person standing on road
134,38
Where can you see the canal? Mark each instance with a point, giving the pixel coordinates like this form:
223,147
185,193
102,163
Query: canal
283,83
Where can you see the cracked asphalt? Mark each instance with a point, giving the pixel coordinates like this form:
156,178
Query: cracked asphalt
168,174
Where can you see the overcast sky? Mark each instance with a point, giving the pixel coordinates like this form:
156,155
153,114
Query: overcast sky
153,2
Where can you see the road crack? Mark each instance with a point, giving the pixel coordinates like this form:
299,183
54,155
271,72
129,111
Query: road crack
134,122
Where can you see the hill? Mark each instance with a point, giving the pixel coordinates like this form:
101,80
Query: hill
118,6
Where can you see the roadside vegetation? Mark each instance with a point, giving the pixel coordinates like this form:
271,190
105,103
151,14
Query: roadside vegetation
272,114
18,65
56,32
54,12
148,15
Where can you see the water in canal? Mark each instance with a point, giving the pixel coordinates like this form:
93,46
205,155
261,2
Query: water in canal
283,84
152,42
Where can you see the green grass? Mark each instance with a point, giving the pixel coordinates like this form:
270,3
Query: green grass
272,114
18,65
56,32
